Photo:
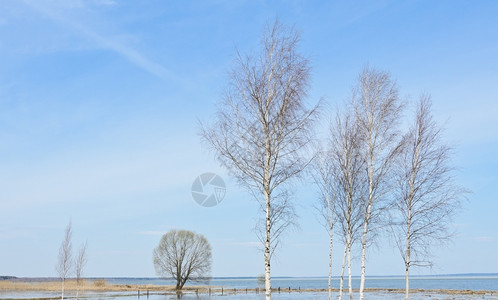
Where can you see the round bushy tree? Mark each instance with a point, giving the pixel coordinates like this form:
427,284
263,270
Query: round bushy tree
183,255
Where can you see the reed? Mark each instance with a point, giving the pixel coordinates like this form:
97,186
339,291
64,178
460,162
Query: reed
71,285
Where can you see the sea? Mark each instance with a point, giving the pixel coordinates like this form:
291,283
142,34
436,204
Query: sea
293,288
475,282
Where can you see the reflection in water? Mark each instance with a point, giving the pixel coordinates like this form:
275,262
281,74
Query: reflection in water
240,296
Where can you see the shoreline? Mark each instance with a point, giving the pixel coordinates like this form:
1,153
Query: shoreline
102,286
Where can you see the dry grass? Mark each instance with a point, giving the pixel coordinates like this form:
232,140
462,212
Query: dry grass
70,285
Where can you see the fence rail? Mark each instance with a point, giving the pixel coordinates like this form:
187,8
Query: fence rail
220,291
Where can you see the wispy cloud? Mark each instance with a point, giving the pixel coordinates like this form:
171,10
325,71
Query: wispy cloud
57,14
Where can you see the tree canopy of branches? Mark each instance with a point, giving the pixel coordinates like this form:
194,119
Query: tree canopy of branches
349,183
323,176
377,112
426,195
183,255
263,127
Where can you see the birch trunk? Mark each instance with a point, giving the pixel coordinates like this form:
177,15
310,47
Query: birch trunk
350,282
267,251
407,281
341,284
330,261
364,252
62,295
407,258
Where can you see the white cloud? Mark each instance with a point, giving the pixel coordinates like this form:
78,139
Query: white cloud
57,11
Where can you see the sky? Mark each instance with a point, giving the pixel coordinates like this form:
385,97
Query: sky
100,104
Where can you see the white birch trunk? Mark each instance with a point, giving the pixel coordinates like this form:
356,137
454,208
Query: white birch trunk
407,258
62,293
341,284
330,261
407,281
350,282
267,250
364,252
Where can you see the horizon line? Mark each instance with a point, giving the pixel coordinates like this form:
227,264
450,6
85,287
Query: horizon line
3,277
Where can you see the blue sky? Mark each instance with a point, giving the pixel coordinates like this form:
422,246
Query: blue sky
100,99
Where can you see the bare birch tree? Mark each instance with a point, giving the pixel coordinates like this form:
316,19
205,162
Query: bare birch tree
263,125
377,109
65,258
183,255
323,176
81,261
426,193
349,184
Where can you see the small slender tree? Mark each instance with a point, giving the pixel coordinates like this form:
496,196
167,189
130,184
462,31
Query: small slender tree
426,195
65,259
263,128
323,176
349,183
377,112
183,255
346,167
81,261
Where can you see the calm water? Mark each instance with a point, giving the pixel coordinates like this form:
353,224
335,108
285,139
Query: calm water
487,282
